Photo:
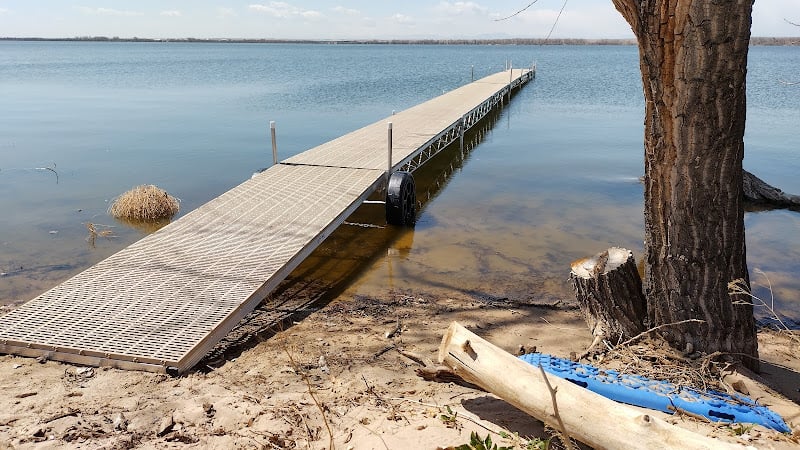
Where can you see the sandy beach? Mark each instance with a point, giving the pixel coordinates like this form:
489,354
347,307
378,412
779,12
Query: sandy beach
342,377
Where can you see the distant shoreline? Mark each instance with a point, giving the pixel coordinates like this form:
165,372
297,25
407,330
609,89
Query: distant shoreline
779,41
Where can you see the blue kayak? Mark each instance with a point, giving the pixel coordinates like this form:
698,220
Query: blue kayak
659,395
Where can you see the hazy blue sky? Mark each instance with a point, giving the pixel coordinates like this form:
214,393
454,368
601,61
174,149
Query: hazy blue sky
319,19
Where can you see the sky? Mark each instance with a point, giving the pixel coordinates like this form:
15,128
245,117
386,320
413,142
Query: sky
332,19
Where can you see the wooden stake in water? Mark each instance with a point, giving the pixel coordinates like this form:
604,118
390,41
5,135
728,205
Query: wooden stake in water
274,142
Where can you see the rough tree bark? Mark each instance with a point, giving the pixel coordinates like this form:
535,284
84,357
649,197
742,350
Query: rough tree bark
693,57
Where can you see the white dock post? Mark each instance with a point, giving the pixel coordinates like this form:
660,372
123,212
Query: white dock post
389,147
510,79
274,143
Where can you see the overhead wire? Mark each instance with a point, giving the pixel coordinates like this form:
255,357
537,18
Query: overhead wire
561,11
556,21
516,13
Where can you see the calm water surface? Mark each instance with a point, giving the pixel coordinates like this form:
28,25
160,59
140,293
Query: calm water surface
550,179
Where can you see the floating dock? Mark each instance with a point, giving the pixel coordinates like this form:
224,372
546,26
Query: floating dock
163,302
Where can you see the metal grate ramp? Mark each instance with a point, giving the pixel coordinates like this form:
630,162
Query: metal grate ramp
163,302
154,302
413,127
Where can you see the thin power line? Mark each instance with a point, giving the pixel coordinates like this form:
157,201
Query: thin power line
556,21
521,10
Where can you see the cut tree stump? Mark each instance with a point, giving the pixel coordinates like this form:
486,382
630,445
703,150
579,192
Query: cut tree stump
609,291
587,416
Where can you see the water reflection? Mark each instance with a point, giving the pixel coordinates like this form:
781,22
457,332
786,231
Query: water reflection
552,183
365,241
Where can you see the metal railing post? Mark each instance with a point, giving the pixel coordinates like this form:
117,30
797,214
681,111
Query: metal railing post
510,79
461,137
274,142
389,148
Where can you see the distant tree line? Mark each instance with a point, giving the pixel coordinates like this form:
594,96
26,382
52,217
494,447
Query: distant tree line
512,41
775,41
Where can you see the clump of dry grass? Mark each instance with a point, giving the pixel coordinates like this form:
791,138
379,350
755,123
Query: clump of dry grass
144,203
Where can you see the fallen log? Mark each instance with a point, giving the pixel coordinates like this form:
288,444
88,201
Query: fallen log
758,191
609,292
586,416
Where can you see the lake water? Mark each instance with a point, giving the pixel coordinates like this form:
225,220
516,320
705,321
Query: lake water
551,178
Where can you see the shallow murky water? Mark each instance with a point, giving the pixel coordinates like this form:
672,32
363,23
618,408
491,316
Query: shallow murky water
551,178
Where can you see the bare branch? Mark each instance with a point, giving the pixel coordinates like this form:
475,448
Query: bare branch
562,429
302,374
644,333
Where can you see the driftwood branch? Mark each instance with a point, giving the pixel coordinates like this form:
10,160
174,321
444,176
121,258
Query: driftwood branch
588,417
757,191
443,374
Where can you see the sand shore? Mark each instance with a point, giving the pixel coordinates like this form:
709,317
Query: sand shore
332,376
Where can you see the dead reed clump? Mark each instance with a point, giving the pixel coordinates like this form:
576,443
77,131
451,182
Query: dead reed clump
145,203
96,230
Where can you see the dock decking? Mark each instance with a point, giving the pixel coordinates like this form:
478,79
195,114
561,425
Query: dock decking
163,302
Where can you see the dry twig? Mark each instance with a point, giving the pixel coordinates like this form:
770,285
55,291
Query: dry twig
382,351
380,401
412,356
741,287
313,397
646,332
562,429
95,232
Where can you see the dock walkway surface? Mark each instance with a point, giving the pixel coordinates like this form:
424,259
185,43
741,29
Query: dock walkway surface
163,302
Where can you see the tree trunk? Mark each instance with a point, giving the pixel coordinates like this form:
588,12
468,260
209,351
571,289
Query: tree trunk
609,292
693,56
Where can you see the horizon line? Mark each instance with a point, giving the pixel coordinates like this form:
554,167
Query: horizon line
760,40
